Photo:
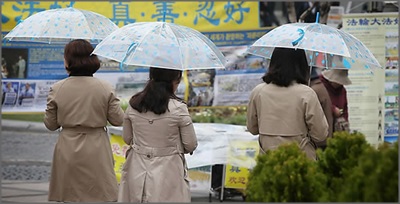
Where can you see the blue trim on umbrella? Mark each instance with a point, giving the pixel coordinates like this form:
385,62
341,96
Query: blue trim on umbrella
317,18
301,32
126,55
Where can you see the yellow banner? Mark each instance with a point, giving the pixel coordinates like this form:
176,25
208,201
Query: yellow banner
119,148
204,16
199,178
242,152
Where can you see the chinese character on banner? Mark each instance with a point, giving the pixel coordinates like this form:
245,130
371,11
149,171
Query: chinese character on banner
206,11
4,19
235,169
387,21
352,22
19,7
57,6
375,21
242,180
121,14
231,9
364,22
232,180
164,11
116,149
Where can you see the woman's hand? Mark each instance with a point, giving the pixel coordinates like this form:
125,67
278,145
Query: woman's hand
337,112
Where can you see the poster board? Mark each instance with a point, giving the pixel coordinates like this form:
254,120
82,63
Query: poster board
373,96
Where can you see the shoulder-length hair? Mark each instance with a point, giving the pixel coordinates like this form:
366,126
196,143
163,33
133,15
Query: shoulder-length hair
287,65
159,89
79,60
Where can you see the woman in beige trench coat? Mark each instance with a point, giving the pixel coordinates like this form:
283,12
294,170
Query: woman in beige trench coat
158,125
80,105
284,109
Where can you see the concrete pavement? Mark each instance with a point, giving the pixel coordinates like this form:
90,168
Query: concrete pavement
15,191
15,125
26,150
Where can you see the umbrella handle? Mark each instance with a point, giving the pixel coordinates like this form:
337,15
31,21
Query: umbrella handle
126,55
301,32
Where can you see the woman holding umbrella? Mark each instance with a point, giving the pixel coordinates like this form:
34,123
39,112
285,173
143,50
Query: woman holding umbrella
284,109
158,127
81,105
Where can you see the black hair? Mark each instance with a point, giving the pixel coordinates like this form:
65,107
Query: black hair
159,89
79,60
314,73
287,65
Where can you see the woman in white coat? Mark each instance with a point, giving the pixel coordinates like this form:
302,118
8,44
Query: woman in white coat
158,126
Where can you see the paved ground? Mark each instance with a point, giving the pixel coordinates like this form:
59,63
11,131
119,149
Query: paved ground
16,191
23,191
27,150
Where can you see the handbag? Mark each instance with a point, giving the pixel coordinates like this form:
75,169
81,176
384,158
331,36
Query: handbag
341,124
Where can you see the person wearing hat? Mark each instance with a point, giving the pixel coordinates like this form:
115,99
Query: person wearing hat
334,81
324,100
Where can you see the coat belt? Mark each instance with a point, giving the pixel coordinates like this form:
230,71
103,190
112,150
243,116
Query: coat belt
151,152
80,129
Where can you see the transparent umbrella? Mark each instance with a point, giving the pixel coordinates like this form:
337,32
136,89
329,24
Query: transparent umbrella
161,44
62,25
325,46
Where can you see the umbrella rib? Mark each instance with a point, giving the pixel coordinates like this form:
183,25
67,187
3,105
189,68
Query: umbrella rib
138,44
88,25
179,46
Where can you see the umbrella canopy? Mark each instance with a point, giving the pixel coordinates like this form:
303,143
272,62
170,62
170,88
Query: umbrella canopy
61,26
161,44
325,46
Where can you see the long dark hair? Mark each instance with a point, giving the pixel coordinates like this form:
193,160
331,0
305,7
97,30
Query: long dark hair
159,89
287,65
79,60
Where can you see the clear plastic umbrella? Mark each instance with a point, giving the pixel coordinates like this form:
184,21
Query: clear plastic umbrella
325,46
161,44
62,25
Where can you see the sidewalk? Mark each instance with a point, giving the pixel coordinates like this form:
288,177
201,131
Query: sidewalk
37,191
24,191
15,125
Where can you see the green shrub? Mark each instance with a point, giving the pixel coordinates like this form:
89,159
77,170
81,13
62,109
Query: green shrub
340,156
225,115
374,179
285,175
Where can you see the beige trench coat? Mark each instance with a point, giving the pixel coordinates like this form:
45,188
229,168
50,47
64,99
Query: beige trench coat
286,114
83,165
155,170
326,104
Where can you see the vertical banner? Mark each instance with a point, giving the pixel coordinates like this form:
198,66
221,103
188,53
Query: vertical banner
372,97
241,153
118,148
